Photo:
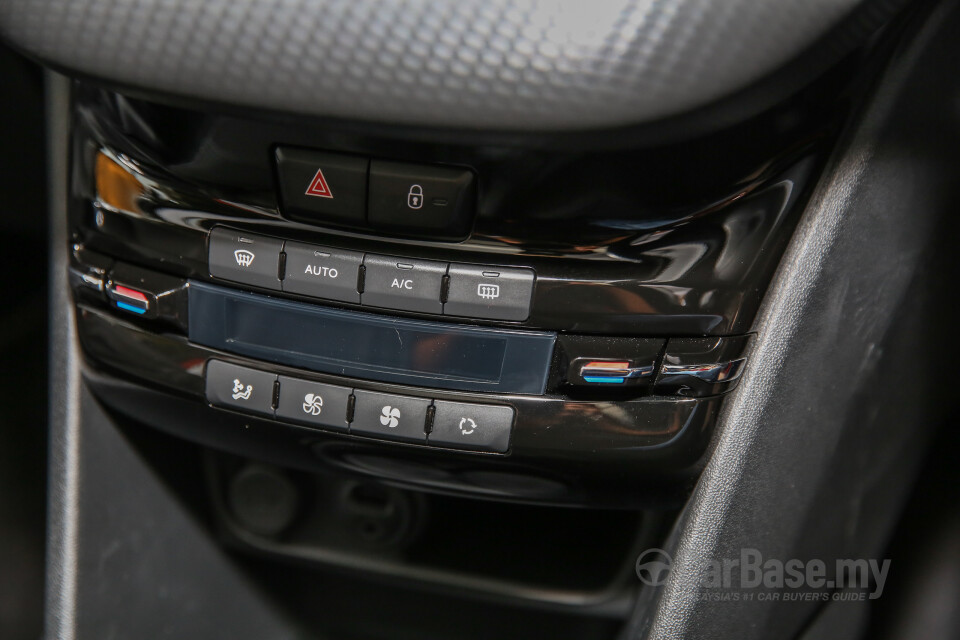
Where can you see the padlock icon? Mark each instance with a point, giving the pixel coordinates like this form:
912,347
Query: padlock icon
415,197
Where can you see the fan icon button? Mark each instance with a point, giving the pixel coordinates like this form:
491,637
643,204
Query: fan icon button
390,417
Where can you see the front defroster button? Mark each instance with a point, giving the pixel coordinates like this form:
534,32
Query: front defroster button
246,258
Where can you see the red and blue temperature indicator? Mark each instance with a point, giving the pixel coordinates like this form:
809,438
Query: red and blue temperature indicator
130,300
602,372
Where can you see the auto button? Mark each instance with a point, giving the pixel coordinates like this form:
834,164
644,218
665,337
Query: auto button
322,272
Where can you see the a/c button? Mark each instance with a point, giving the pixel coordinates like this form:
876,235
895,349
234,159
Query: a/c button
401,283
322,272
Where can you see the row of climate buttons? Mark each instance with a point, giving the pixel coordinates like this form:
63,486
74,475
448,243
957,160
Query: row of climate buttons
425,286
454,425
407,199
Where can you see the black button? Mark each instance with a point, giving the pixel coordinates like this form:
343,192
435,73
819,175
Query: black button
421,199
247,390
475,427
390,417
243,257
313,404
322,272
498,293
401,283
323,187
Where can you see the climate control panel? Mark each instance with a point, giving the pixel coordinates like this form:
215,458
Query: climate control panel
385,416
510,322
424,286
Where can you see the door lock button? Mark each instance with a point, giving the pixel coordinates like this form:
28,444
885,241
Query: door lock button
421,200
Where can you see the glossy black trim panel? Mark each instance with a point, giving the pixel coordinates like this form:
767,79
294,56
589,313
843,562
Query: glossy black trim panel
624,243
590,452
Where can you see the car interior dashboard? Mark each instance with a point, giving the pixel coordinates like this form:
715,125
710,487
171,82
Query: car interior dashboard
420,318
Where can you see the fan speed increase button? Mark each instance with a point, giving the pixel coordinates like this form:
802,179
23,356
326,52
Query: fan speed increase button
391,417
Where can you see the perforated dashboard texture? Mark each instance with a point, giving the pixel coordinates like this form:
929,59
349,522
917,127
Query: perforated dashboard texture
494,64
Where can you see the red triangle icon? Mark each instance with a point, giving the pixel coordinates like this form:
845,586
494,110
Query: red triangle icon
318,186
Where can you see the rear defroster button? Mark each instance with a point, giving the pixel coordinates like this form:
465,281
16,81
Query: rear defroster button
496,293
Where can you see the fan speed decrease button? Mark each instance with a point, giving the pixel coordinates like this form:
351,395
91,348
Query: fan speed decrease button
391,417
313,404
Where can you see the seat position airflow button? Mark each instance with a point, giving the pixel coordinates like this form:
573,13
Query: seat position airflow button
322,272
496,293
240,388
401,283
246,258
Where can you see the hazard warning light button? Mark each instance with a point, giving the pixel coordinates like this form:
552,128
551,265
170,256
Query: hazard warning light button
322,188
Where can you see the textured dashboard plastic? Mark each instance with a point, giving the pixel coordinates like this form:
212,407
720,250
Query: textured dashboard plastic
501,64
